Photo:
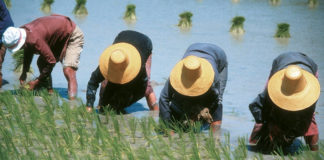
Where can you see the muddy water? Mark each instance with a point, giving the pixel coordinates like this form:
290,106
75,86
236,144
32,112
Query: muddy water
250,56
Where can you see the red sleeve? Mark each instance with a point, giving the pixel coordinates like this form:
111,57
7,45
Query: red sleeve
313,129
44,50
149,88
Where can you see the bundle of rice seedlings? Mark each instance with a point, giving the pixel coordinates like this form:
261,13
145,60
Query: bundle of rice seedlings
237,25
19,60
274,2
130,12
185,20
312,3
282,31
46,6
8,3
80,8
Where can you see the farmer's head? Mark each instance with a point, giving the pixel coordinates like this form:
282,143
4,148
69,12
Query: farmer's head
120,63
14,38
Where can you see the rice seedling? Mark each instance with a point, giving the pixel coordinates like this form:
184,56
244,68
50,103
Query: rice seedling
130,13
240,151
46,6
132,124
185,20
211,147
282,31
80,8
19,61
312,3
237,27
8,3
274,2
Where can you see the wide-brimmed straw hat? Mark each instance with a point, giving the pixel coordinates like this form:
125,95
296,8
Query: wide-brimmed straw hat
293,89
120,63
14,38
192,76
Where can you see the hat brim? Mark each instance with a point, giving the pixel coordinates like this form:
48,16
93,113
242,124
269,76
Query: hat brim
297,101
132,69
21,41
197,88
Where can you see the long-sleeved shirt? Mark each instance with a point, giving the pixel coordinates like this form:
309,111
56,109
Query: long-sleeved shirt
124,95
5,19
262,105
47,36
174,106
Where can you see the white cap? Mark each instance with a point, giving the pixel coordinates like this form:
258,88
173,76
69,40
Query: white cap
14,38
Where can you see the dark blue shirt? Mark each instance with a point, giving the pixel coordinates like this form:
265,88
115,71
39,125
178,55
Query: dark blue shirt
5,19
173,105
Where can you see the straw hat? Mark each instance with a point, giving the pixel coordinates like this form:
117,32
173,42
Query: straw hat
120,63
293,88
14,38
192,76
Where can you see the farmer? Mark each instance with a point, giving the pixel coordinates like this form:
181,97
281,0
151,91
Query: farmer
55,38
5,22
285,109
124,73
195,88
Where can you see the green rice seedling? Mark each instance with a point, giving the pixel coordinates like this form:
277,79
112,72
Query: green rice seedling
312,3
195,147
237,27
132,124
240,151
80,8
8,3
225,147
19,60
116,125
274,2
282,30
7,138
211,147
130,13
185,20
142,153
46,6
145,128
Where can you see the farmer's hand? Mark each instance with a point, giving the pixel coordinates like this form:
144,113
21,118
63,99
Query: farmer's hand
256,129
215,126
89,109
33,84
22,78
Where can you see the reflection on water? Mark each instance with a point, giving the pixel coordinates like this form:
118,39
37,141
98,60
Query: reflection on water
250,56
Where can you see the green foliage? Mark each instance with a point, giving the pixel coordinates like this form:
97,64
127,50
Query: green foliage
237,25
130,13
55,130
312,3
185,20
80,8
282,31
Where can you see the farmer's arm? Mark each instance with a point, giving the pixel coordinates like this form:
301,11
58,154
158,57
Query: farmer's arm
164,103
149,93
45,51
28,57
93,84
257,105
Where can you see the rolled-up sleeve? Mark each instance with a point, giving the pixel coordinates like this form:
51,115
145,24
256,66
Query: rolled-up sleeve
93,84
164,103
149,88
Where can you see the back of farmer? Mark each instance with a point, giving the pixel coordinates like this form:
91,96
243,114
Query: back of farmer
55,38
285,109
124,73
194,90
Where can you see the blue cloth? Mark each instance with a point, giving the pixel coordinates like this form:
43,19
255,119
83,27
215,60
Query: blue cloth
174,106
5,19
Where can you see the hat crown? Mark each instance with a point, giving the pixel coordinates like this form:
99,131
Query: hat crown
119,60
191,68
11,36
293,80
